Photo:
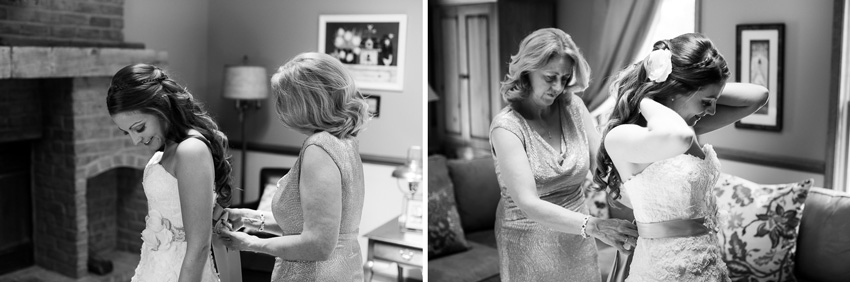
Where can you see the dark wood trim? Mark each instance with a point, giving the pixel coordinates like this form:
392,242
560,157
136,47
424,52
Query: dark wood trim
834,89
294,151
792,163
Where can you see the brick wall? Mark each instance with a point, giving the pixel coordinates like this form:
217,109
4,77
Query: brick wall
78,141
132,209
20,103
57,217
101,196
116,209
61,22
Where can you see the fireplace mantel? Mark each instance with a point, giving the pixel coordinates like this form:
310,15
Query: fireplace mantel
57,62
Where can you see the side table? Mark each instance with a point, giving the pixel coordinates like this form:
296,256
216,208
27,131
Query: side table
389,245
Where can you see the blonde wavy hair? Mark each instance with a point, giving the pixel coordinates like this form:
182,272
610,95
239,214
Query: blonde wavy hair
314,92
535,51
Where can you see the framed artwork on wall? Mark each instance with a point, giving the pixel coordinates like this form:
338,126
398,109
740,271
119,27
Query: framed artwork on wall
370,46
760,55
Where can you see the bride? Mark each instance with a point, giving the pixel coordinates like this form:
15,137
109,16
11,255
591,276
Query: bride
187,175
651,154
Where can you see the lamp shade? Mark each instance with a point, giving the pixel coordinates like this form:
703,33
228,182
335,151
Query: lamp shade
245,82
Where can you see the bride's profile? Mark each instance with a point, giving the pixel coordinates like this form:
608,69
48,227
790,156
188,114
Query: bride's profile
185,178
651,159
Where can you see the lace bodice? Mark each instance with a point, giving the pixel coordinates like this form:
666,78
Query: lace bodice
161,191
675,188
164,240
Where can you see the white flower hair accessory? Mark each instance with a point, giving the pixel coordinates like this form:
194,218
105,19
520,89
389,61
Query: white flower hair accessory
658,65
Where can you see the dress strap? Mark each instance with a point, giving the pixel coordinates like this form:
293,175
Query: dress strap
673,228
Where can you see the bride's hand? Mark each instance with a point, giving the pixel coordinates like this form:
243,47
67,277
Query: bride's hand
615,232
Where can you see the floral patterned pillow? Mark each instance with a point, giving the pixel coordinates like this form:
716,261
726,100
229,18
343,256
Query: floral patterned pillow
759,227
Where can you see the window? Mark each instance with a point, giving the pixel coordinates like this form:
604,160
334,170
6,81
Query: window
674,18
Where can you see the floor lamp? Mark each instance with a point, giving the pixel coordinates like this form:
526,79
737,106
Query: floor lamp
248,85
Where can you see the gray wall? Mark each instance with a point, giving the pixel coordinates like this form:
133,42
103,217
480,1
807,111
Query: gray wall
272,32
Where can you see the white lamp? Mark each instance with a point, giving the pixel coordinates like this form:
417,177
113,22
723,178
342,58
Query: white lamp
248,85
409,176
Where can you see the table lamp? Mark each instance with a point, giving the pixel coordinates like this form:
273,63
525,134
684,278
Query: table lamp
248,85
408,177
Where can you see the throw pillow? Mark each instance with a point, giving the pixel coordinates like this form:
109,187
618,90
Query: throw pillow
477,192
758,230
445,235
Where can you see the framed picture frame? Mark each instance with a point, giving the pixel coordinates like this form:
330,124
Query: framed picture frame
374,105
370,46
760,57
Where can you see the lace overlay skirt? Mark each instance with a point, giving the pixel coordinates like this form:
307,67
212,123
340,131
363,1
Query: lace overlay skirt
695,258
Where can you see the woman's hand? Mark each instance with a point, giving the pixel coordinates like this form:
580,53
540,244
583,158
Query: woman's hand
235,240
238,218
615,232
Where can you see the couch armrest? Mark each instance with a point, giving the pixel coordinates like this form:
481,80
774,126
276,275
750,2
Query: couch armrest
823,247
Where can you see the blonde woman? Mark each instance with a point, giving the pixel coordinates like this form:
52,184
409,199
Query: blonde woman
542,143
318,204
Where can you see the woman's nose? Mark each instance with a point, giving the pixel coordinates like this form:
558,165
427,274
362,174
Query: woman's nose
711,110
558,87
136,138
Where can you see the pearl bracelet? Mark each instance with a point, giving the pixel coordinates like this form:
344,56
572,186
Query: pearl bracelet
584,227
262,222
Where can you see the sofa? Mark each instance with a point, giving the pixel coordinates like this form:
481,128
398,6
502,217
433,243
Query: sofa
822,245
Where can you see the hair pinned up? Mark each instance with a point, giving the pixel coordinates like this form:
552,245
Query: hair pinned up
133,89
120,86
693,61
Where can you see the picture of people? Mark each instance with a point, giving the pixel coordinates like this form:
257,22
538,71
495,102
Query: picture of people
370,46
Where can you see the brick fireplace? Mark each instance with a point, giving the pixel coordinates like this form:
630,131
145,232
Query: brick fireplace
68,177
85,174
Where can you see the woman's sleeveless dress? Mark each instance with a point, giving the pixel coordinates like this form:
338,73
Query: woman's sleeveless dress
345,263
529,251
677,188
164,239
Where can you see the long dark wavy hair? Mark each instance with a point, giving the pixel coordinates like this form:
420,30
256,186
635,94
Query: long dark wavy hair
148,89
696,63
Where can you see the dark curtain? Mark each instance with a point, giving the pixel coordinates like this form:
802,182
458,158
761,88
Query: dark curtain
624,26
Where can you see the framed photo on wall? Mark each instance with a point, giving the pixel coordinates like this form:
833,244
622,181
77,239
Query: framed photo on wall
371,46
760,55
374,105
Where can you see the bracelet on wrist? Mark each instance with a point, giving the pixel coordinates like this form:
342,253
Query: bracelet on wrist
262,222
584,227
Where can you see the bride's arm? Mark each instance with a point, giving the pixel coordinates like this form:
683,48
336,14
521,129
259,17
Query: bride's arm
194,173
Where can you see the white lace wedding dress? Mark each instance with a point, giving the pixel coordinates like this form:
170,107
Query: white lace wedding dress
164,239
671,189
